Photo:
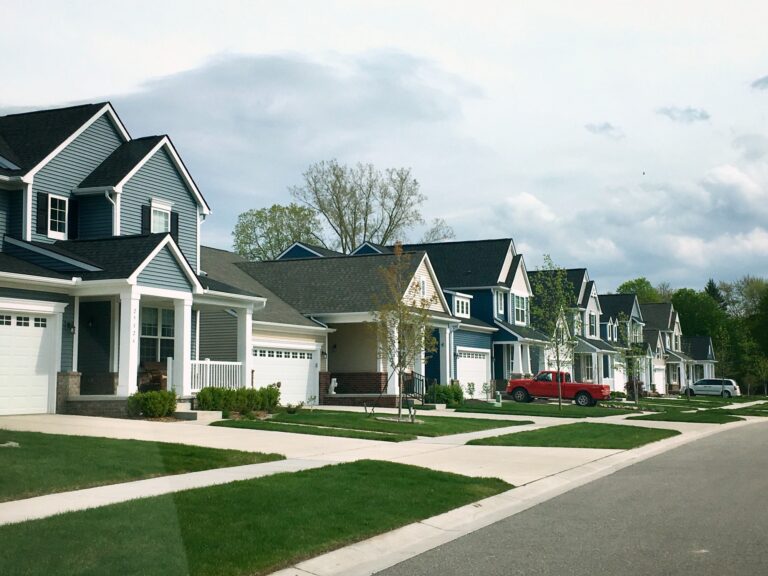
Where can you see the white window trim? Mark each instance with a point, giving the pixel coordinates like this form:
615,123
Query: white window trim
499,303
523,308
159,337
462,308
157,205
53,233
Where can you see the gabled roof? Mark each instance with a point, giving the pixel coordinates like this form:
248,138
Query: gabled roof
613,305
587,294
522,332
221,266
658,316
117,165
319,251
586,344
651,335
699,347
27,138
380,248
329,285
12,265
575,277
467,264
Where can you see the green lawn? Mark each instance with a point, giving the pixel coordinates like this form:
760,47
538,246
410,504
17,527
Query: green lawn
249,527
47,463
537,409
581,435
703,417
425,425
313,430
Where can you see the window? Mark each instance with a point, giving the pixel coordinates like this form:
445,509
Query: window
423,287
157,334
521,309
5,320
22,320
40,322
592,324
589,372
500,303
160,220
57,217
462,307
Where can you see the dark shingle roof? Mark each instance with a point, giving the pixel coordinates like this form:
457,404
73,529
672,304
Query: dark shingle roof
329,285
222,265
476,322
575,277
212,284
599,344
658,316
651,335
15,265
27,138
587,293
698,347
466,264
525,332
614,305
516,262
117,165
117,257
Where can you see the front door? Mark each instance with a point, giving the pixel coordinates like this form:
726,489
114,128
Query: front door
93,347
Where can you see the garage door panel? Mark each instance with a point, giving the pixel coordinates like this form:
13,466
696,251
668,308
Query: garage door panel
473,366
296,370
26,354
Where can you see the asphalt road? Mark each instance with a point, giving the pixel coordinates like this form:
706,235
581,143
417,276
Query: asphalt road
701,509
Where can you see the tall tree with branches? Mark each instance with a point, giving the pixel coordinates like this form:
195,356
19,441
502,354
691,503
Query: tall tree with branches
402,319
552,304
264,233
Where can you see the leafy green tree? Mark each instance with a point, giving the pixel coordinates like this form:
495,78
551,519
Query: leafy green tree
552,304
700,315
713,291
402,320
264,233
645,291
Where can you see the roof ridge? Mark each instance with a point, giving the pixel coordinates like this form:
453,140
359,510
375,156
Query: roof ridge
43,110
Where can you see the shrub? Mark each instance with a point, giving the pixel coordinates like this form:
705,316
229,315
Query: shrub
452,395
615,395
154,404
630,388
243,400
294,408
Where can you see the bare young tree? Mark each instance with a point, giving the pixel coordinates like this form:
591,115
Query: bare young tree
361,203
402,320
438,232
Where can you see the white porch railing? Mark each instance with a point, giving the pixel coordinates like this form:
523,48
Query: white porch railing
217,374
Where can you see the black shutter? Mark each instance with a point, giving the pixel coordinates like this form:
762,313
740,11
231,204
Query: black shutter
175,226
146,225
73,219
42,213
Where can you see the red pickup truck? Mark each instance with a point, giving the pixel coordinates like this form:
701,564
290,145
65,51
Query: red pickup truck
544,385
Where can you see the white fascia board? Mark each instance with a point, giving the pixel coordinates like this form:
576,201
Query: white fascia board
39,306
51,254
188,272
459,294
344,317
525,274
164,293
282,327
507,262
100,287
229,299
300,245
438,288
474,328
106,109
166,143
39,280
94,190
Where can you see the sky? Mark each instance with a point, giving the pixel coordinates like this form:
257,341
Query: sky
630,138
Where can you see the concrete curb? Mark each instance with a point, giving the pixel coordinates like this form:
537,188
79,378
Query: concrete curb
386,550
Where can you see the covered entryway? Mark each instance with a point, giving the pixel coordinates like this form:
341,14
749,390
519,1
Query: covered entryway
29,356
296,368
473,365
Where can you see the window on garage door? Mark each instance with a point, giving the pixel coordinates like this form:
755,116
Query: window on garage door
282,354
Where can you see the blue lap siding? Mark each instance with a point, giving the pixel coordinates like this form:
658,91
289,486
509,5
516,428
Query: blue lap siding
70,167
164,272
470,340
95,217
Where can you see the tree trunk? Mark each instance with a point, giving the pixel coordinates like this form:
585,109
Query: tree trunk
399,395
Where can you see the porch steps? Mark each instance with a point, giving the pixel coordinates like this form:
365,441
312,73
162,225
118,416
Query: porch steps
204,417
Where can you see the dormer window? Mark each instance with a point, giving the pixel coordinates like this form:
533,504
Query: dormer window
161,217
462,307
57,217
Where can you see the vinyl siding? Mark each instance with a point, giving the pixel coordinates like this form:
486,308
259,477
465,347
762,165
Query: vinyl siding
73,164
422,272
469,340
298,252
159,179
5,211
164,272
95,217
218,336
67,338
482,305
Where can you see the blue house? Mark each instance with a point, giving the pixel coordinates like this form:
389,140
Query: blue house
100,280
485,283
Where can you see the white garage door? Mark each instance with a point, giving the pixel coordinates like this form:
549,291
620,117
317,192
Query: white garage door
296,370
26,350
472,366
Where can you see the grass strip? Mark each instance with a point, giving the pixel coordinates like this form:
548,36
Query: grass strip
249,527
536,409
702,417
426,425
581,435
49,463
313,430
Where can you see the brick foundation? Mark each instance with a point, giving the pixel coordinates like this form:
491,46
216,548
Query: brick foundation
360,382
97,406
67,384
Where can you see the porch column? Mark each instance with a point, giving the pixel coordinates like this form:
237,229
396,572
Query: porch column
527,359
129,343
392,382
517,359
244,342
182,347
445,354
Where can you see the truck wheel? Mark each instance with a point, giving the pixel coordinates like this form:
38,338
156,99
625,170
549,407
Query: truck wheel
520,395
583,399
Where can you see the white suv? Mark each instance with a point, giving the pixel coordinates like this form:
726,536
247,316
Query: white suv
714,387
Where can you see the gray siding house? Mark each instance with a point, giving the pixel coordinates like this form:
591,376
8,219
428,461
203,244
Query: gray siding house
100,282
